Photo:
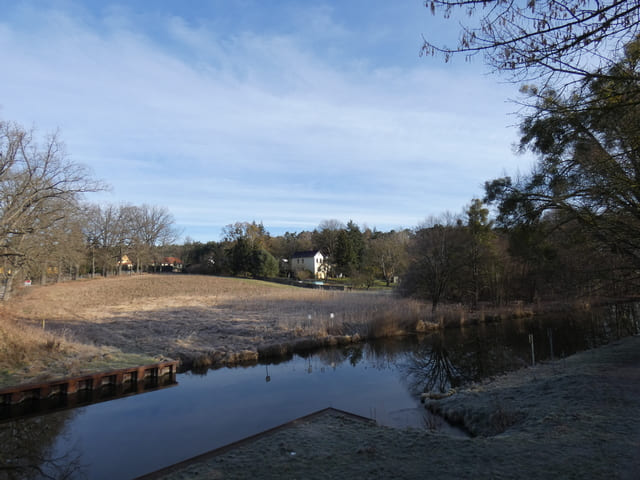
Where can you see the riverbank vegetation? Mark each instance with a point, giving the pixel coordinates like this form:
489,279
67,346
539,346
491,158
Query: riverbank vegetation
201,320
30,352
71,328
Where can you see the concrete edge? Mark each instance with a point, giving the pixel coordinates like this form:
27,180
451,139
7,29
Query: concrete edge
329,411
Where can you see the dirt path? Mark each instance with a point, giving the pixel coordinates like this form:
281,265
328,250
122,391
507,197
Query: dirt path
574,418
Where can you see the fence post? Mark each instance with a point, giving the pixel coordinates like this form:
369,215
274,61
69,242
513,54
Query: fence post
533,354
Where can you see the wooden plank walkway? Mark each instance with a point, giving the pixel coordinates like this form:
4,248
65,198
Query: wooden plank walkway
133,376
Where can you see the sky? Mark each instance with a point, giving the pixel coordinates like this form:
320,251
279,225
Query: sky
282,112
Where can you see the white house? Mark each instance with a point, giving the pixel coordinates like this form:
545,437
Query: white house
312,261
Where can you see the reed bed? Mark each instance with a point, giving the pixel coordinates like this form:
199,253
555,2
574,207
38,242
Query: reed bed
137,292
458,315
329,313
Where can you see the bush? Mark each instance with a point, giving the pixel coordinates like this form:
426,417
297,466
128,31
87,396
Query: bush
303,274
263,264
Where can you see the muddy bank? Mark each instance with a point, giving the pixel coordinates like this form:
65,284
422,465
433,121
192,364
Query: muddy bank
573,418
281,350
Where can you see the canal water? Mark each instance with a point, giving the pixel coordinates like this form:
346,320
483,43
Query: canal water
127,437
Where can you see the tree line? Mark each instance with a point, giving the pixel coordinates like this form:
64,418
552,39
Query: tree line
46,227
572,222
462,258
247,249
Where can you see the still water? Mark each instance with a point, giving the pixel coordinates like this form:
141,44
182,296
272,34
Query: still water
130,436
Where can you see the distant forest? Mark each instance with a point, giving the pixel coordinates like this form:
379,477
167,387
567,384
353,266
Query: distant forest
461,258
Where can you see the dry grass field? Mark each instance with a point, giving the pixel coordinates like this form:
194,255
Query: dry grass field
94,324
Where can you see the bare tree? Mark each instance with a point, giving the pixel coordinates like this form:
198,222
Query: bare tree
148,227
106,236
388,252
57,251
549,39
436,256
37,183
137,231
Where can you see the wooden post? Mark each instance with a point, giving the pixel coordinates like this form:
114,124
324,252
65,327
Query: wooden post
533,354
72,386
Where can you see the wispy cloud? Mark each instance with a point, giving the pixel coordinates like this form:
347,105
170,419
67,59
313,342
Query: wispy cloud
221,126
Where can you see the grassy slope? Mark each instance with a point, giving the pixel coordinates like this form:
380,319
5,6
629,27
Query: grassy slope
98,324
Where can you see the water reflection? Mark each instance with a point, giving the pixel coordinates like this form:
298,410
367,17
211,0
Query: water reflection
431,368
84,397
28,449
447,359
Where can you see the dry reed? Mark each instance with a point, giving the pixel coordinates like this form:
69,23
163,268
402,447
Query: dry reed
330,313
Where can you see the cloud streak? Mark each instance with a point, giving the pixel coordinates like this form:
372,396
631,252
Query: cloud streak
226,126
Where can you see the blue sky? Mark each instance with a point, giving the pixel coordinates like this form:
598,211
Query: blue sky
284,112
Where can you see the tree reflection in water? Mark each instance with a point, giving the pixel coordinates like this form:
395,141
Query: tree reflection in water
434,363
430,368
450,358
28,449
446,360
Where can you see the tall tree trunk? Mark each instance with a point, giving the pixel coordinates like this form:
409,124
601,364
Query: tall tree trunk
8,284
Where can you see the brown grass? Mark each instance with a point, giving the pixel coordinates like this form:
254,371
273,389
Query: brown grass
201,320
29,353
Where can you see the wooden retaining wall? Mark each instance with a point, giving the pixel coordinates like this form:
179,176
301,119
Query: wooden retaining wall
133,377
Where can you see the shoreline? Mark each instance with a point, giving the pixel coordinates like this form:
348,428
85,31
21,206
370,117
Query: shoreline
578,417
205,322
